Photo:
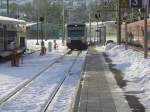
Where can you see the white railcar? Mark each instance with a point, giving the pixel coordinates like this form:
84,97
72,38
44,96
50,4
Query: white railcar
76,36
12,30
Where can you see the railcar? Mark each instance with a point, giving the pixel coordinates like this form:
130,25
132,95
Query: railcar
12,30
135,33
77,36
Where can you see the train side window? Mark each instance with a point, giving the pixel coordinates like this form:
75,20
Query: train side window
1,32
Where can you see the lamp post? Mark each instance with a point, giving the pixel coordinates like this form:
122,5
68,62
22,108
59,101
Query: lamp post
7,8
1,7
145,33
63,25
145,11
97,16
37,43
92,34
69,15
90,26
45,29
118,24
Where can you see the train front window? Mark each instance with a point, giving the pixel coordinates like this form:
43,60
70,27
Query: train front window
75,33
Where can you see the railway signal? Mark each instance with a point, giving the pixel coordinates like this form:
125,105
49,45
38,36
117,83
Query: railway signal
135,3
43,49
97,15
41,20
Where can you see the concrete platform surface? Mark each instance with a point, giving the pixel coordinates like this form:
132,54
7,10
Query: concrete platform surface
99,91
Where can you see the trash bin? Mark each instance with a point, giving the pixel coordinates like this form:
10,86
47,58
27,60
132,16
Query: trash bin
49,46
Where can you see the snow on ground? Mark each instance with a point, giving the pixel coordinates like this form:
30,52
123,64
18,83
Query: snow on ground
136,70
65,97
33,97
32,46
36,94
10,77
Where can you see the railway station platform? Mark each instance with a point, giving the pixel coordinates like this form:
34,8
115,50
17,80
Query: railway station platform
8,53
99,91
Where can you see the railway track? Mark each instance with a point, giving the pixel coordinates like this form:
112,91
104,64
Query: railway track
13,99
52,96
20,87
139,49
7,58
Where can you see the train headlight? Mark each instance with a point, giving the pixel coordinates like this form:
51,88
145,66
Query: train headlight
69,40
83,39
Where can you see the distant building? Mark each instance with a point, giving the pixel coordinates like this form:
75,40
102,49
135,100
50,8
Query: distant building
51,31
69,3
79,3
3,6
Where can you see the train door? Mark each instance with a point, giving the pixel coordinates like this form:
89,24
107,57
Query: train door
103,34
22,42
1,38
11,36
5,37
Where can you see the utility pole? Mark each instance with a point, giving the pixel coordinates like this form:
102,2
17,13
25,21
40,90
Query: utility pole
45,28
145,10
69,16
97,31
63,25
90,26
37,17
1,6
118,25
7,8
145,32
126,32
18,12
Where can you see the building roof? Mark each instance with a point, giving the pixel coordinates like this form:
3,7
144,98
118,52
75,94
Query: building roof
3,18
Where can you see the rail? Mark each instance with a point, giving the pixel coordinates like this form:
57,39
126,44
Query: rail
52,96
20,87
139,49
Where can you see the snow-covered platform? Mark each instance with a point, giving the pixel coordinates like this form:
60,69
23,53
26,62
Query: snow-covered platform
99,91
